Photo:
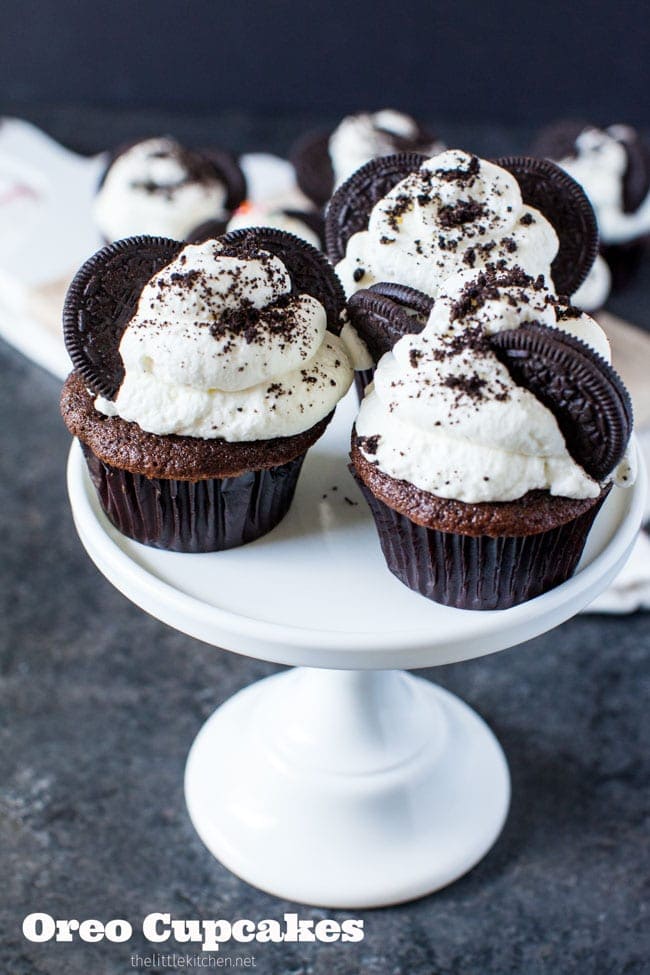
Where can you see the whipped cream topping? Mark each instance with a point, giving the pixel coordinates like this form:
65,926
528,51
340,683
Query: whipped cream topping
256,215
220,347
445,415
360,138
158,188
457,211
594,290
599,165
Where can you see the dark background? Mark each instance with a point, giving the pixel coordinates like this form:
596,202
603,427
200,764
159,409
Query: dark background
504,62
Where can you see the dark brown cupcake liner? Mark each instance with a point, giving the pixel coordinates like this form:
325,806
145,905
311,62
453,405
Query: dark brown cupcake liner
207,515
478,572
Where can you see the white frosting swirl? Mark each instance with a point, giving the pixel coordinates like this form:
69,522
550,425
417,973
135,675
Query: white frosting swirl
219,348
256,215
456,211
149,190
360,138
599,166
445,415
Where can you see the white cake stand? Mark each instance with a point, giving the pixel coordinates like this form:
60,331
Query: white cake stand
345,782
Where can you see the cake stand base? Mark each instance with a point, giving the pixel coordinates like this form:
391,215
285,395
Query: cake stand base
347,789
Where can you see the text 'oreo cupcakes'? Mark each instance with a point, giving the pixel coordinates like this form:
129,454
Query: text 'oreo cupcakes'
613,167
203,373
159,187
324,160
490,440
410,222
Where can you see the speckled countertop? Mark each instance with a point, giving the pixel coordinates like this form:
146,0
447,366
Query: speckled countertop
99,704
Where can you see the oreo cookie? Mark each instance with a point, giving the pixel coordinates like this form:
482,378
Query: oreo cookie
559,198
410,298
102,299
349,209
558,140
380,315
586,396
226,167
310,271
311,160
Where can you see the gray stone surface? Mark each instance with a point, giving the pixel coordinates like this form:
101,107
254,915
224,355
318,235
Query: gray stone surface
99,705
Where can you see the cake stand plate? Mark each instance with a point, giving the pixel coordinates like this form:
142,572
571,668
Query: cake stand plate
344,782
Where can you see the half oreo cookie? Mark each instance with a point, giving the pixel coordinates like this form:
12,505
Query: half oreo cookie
102,299
549,189
349,209
586,396
310,271
384,313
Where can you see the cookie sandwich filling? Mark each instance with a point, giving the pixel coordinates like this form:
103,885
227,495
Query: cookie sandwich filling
444,413
221,347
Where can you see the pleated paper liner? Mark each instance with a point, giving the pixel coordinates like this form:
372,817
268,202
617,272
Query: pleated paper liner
478,572
208,515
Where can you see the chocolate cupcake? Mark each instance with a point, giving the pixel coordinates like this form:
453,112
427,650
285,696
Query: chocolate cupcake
159,187
203,373
324,160
306,224
490,440
613,167
410,221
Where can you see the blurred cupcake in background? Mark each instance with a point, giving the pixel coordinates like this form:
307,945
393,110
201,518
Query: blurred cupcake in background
613,166
160,188
305,224
324,160
488,442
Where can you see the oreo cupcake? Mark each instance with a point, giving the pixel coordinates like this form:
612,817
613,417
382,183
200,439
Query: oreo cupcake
203,373
613,167
160,188
489,441
324,160
305,224
400,226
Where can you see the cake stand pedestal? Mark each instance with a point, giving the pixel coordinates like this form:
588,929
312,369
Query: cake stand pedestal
344,782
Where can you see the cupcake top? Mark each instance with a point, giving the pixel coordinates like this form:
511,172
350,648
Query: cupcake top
613,167
303,225
370,135
221,346
455,211
447,415
158,187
